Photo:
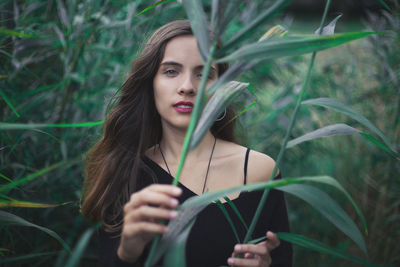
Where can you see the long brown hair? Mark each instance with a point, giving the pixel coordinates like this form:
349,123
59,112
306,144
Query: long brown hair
131,127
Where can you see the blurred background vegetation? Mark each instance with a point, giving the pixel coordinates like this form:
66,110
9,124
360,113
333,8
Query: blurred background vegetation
62,61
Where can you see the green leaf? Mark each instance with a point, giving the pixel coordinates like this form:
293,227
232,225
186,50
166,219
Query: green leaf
237,212
198,23
250,27
80,247
290,46
322,202
27,204
153,6
384,4
39,173
176,226
330,130
27,257
320,247
379,144
222,98
15,33
336,105
176,254
6,178
2,95
228,218
28,126
11,219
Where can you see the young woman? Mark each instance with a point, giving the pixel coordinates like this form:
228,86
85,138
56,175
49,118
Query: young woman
129,171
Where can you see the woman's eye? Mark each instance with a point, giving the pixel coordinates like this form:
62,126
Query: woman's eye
171,72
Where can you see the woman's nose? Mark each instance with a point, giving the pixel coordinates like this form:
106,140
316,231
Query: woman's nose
187,86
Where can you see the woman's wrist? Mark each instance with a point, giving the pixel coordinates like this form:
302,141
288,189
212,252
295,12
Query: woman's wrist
127,257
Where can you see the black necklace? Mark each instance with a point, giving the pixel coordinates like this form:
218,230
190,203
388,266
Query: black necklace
208,167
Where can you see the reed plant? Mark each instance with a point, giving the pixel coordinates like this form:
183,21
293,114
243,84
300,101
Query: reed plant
61,59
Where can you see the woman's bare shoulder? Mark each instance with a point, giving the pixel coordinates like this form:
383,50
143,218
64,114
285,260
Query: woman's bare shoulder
260,165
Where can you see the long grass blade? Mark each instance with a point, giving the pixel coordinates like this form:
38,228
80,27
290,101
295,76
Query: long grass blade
29,126
228,218
214,107
39,173
153,6
330,130
15,33
321,248
322,202
236,211
80,247
27,204
328,29
5,178
27,257
2,95
176,254
384,4
249,28
7,218
338,106
290,46
379,144
198,22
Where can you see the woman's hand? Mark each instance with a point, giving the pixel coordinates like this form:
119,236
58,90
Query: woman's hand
142,216
255,255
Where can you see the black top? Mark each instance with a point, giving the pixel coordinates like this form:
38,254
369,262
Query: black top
211,240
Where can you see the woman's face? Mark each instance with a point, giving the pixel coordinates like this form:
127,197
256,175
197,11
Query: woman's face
177,79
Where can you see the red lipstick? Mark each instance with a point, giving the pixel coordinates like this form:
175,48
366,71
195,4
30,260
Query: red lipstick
183,107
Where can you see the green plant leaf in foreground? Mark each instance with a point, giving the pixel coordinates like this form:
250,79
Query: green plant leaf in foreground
175,255
7,218
328,29
320,247
235,209
291,46
198,23
29,126
15,33
222,98
307,193
330,130
322,202
228,218
338,106
80,247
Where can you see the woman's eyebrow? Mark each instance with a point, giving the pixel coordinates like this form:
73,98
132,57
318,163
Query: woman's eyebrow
173,63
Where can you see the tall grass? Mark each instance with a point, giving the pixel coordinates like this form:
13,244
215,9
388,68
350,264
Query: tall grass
60,61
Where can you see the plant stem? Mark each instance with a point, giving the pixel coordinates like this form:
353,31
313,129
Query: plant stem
198,107
286,139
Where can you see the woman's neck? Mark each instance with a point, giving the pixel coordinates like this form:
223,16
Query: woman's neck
172,143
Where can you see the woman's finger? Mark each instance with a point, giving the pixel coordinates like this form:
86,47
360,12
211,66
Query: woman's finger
259,249
272,240
237,262
149,213
131,230
150,198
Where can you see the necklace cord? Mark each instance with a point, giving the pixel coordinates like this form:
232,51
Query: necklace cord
208,167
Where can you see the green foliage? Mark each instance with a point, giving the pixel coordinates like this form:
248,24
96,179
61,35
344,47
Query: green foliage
61,59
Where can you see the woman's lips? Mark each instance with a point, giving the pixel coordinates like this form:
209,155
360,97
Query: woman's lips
184,107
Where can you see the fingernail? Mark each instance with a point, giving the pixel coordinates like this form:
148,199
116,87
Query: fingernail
173,214
238,247
231,261
177,191
174,202
166,229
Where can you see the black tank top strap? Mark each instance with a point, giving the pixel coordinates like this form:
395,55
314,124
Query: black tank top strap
246,159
